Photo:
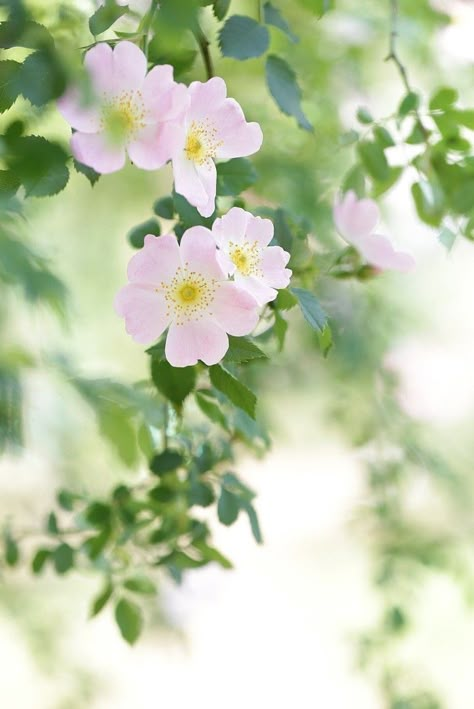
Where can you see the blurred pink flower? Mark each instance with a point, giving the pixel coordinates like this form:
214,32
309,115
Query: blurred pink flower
355,220
182,287
130,112
244,254
214,127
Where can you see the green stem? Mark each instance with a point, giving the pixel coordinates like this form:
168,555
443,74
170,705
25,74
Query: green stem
203,44
147,26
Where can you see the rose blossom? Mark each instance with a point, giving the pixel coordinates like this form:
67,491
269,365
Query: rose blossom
355,221
213,127
182,287
132,111
244,254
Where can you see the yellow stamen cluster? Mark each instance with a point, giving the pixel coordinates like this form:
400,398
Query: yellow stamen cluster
189,296
246,257
123,116
201,142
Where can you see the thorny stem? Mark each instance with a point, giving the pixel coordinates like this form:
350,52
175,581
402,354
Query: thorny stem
203,44
393,56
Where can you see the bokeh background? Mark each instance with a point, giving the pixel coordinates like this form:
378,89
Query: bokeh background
363,588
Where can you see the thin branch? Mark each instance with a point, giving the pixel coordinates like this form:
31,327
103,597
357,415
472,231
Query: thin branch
148,23
393,56
203,44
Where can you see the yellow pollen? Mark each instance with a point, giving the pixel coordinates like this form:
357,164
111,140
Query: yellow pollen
246,257
123,116
201,142
188,293
189,296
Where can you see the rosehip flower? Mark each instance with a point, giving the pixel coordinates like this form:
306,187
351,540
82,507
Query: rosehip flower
355,221
213,127
244,254
131,111
182,287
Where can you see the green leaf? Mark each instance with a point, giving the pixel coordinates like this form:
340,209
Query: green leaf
98,514
105,16
164,207
9,184
417,134
242,349
63,558
140,584
189,215
254,523
355,180
381,187
443,98
42,78
280,328
465,118
409,103
101,600
285,300
235,176
129,620
210,554
201,494
282,234
272,16
87,171
9,86
348,138
447,238
220,8
211,408
237,392
325,340
364,116
374,160
283,86
228,507
39,560
311,309
66,499
243,38
429,202
52,524
383,137
136,236
12,553
39,164
166,461
175,383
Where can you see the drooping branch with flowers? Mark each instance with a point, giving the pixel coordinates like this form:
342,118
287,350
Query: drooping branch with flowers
210,296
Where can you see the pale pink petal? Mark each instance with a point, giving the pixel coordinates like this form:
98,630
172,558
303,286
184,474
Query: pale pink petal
187,182
198,252
379,252
155,145
238,138
235,309
208,176
144,311
162,96
78,113
260,230
206,97
257,288
202,339
355,218
274,260
231,227
99,63
94,149
129,66
156,262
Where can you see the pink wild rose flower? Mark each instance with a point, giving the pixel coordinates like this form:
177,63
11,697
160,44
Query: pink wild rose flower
182,287
131,111
213,127
355,221
244,253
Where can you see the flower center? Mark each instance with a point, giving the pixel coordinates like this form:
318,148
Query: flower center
188,296
246,258
123,116
201,142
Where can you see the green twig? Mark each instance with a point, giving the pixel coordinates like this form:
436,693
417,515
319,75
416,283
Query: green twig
147,26
203,44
